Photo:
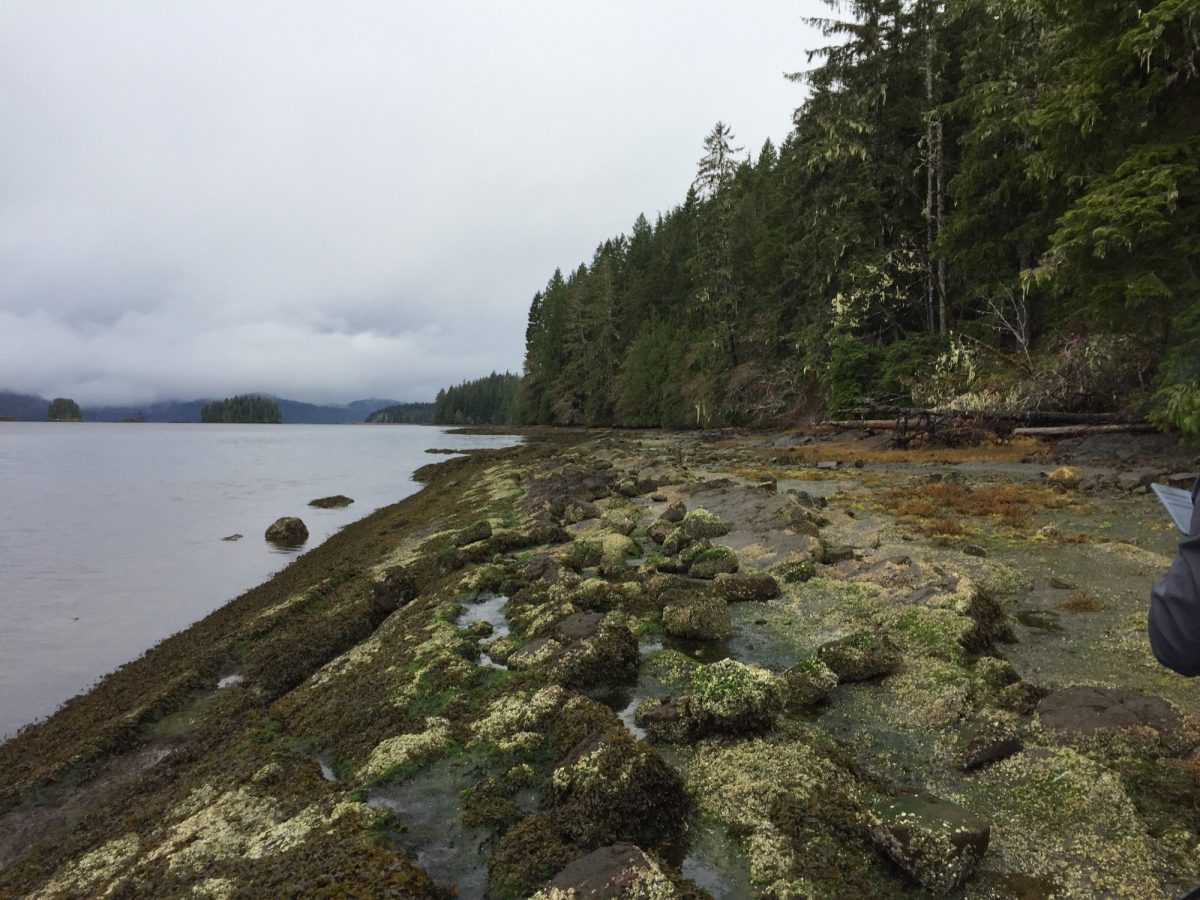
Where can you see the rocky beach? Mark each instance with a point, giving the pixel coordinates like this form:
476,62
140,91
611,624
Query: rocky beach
654,665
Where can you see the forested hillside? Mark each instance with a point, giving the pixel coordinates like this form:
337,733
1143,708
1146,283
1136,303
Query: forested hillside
983,204
485,401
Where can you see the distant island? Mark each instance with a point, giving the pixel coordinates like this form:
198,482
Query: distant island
64,409
246,409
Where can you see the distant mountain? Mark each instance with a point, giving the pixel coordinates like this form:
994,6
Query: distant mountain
32,408
23,407
295,412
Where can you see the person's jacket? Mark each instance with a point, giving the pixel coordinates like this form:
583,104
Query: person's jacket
1175,604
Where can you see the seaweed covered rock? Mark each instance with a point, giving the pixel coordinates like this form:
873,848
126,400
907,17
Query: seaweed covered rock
536,652
619,521
477,531
700,523
669,719
575,511
659,530
287,531
527,855
700,618
734,698
620,872
744,588
596,595
393,588
936,842
607,656
808,683
861,656
713,562
610,788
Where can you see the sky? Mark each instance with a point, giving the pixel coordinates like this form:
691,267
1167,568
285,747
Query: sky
329,201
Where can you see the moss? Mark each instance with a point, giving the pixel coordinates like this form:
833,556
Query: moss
937,632
713,562
797,572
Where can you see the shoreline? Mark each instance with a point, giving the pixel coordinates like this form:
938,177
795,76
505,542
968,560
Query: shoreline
158,780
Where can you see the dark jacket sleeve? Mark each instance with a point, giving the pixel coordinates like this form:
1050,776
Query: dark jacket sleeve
1175,604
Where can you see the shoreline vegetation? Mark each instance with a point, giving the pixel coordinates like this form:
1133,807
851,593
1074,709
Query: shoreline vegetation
734,654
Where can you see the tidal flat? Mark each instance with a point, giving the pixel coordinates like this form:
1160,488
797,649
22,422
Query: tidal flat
657,665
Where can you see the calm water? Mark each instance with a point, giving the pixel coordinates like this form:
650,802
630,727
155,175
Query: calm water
110,534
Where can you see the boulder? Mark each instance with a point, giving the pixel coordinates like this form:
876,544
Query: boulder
742,588
659,530
675,512
861,656
1067,477
478,531
610,787
713,562
393,588
578,626
700,523
287,531
669,720
536,652
808,683
733,698
934,841
337,501
618,521
617,872
579,510
700,618
1136,481
609,655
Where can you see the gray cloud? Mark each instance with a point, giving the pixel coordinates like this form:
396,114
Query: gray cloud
334,200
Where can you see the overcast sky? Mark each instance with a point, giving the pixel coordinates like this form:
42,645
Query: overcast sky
335,200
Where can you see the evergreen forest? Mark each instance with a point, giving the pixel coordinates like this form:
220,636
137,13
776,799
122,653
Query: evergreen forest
403,414
491,400
984,205
242,409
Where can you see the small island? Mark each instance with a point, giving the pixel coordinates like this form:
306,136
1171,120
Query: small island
64,409
244,409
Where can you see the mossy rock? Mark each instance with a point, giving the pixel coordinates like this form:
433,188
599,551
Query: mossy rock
584,553
808,683
713,562
861,656
596,595
575,511
659,531
394,588
611,788
618,521
618,871
733,698
700,618
477,531
700,523
797,572
535,653
670,720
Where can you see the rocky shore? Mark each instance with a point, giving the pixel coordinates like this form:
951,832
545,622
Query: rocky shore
658,665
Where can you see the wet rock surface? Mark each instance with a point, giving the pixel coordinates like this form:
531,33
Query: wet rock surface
287,531
336,501
936,842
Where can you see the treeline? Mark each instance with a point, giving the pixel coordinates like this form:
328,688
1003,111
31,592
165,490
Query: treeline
242,409
986,204
64,409
491,400
403,414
